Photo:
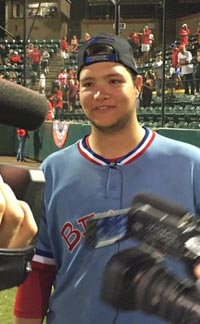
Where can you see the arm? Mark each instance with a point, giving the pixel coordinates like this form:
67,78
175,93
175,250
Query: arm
32,298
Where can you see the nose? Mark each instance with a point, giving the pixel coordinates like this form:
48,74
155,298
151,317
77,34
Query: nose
99,95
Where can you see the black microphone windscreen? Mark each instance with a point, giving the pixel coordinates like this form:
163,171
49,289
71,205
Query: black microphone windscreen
160,203
21,107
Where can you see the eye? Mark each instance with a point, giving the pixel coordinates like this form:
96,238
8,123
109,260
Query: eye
115,81
87,84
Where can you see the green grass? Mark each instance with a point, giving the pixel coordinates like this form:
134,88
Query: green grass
7,298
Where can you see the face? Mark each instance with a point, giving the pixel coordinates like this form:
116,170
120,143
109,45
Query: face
108,95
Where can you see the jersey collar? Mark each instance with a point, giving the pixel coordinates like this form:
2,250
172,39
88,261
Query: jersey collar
91,156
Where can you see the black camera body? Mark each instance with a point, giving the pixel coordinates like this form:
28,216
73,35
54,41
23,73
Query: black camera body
167,228
137,278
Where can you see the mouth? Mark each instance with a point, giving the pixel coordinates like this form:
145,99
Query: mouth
102,108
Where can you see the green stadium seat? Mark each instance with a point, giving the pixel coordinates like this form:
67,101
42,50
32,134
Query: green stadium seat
178,110
190,110
194,125
168,110
182,124
157,110
170,124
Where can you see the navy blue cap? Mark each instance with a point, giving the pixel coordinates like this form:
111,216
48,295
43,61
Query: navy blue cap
120,52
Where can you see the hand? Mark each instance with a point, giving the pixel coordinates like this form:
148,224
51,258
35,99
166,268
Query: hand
17,224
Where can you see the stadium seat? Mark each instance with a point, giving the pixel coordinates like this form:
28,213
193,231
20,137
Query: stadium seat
168,110
178,110
170,124
140,111
190,110
182,124
157,110
194,125
148,111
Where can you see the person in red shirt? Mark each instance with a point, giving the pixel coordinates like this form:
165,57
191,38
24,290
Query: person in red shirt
22,135
15,58
64,47
133,39
184,35
145,42
72,94
175,69
35,60
56,100
50,114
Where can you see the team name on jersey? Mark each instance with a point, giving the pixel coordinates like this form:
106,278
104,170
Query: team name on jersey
71,235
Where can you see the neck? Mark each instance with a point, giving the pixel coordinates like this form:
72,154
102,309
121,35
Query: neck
115,145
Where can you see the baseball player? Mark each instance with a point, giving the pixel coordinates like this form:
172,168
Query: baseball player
102,171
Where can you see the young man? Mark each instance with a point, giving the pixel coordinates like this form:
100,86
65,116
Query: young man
101,172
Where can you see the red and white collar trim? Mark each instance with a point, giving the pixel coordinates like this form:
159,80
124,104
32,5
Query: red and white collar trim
91,156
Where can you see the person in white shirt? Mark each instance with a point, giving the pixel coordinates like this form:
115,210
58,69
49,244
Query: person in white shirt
186,65
158,73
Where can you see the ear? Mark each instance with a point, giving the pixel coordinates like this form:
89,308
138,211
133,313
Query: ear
139,83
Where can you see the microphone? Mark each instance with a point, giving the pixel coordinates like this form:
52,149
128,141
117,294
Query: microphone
21,107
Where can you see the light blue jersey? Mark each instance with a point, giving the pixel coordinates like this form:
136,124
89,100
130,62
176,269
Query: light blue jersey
80,183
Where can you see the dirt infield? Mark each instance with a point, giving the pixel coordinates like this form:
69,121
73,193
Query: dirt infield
11,160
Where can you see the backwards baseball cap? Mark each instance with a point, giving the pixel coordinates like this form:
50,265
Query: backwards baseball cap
106,48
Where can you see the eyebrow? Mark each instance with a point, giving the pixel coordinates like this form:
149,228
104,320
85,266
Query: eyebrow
106,76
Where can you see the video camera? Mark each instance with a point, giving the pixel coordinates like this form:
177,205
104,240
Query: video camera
136,278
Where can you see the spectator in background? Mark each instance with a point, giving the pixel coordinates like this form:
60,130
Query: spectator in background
29,52
15,58
146,95
63,79
185,63
72,94
145,42
74,44
158,73
56,100
196,62
42,83
45,60
175,68
64,47
22,135
35,60
197,34
152,38
134,40
3,54
149,79
50,114
184,35
86,37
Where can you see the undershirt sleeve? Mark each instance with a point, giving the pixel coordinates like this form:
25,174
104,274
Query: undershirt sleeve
32,298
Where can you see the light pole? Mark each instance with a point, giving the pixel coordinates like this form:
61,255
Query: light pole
117,15
164,56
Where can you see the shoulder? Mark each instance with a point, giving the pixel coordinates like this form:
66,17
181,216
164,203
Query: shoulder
175,148
61,158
